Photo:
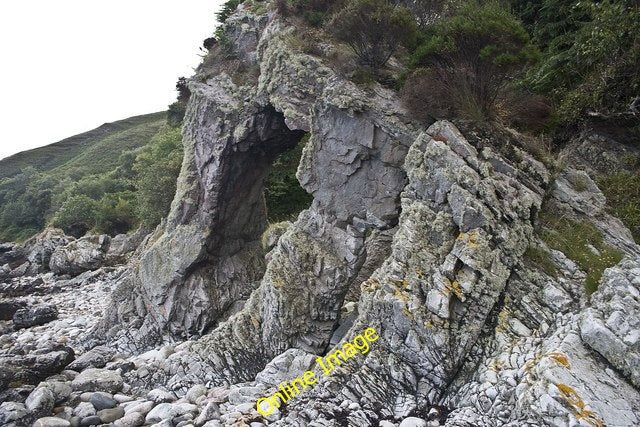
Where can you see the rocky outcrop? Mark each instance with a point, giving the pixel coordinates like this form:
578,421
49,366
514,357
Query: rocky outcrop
54,251
209,255
431,230
611,326
85,254
32,316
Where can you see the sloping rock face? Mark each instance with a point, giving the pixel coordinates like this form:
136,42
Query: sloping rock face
209,254
431,225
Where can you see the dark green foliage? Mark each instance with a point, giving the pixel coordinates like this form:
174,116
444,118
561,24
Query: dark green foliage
116,213
623,196
374,29
472,58
177,110
77,215
592,56
227,10
157,168
86,182
284,196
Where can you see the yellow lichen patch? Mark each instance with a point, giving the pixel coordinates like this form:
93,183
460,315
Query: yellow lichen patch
429,324
572,397
256,322
473,239
374,283
502,325
402,296
420,273
279,283
561,359
461,235
453,287
403,284
371,285
590,417
408,313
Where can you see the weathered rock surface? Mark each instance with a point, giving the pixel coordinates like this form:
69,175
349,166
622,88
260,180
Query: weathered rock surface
422,234
611,326
85,254
33,316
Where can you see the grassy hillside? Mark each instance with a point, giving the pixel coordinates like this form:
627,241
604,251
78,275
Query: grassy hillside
92,181
97,150
114,179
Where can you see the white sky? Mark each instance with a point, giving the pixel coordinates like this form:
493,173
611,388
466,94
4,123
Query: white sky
68,66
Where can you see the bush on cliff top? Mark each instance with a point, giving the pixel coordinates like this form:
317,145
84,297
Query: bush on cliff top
374,29
469,60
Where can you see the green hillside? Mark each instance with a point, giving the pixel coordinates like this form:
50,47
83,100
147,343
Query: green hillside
110,180
97,150
114,179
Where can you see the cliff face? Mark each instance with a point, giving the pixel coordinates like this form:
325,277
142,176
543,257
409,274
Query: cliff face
465,321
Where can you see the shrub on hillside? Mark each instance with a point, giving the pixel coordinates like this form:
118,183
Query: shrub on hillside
227,10
374,29
283,194
116,213
77,215
157,169
595,66
472,58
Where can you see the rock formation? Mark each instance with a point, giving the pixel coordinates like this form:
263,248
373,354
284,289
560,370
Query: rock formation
431,229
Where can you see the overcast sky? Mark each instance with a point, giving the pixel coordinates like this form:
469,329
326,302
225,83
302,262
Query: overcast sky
69,66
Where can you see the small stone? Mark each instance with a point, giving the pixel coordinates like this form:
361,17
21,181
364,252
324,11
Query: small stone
195,392
143,408
51,422
40,401
161,396
75,421
413,422
385,423
168,411
84,410
132,419
11,412
93,420
121,398
102,401
110,415
210,412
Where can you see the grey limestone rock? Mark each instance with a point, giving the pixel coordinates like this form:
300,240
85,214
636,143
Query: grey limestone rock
611,326
98,380
33,316
428,229
85,254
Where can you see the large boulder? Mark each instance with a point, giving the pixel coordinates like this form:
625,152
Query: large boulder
98,380
33,368
34,316
9,308
13,414
40,248
97,357
85,254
